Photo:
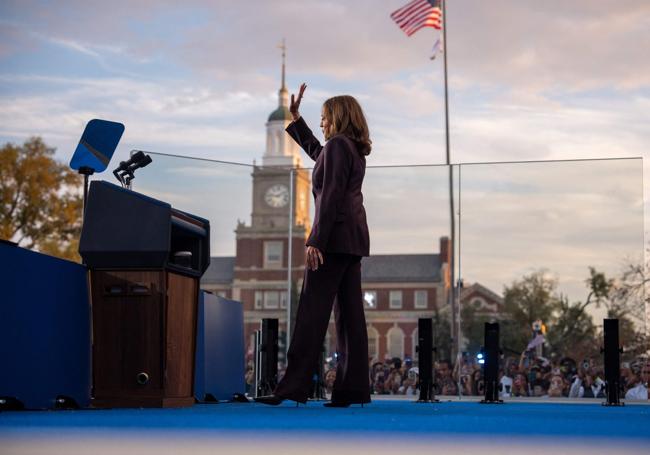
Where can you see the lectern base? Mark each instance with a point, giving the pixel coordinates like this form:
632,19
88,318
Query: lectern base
142,402
144,333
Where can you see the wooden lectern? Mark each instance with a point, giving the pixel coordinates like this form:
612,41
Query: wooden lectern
146,260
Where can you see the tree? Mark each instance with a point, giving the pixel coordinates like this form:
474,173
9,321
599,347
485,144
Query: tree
626,301
442,339
525,301
623,298
473,326
572,331
40,200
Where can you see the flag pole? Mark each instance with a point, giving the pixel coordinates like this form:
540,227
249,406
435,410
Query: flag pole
455,314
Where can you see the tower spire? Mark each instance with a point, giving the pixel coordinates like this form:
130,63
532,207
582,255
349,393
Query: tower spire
283,46
283,94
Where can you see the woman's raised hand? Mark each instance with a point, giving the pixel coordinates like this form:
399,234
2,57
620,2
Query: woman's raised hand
295,103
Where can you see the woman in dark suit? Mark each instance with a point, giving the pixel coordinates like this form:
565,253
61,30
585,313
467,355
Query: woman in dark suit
338,239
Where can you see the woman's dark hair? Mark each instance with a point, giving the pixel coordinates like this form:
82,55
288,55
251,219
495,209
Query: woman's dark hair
346,116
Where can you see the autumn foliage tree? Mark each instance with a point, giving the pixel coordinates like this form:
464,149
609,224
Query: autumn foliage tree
40,199
571,329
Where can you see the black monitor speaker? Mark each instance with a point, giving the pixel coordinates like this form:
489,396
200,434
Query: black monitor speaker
425,351
491,365
612,361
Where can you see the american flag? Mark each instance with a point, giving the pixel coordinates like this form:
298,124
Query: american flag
418,14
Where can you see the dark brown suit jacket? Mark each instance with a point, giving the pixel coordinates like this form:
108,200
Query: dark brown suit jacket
340,220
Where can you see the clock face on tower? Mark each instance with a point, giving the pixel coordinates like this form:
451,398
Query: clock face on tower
277,196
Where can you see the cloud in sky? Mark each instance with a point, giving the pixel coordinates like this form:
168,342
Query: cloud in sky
528,80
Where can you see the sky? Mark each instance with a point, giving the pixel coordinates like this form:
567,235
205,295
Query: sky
552,80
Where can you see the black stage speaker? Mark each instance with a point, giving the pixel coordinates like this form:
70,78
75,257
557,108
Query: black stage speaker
612,351
491,366
268,362
425,359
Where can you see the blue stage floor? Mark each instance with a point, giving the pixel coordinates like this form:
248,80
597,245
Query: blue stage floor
385,426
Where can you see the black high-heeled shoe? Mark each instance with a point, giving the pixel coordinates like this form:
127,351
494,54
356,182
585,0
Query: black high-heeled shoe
272,400
339,404
275,400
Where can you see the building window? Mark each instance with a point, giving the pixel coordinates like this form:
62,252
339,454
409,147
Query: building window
283,300
272,254
373,343
395,341
420,299
259,299
370,300
271,300
395,299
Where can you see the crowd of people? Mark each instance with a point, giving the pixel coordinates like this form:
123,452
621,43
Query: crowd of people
525,376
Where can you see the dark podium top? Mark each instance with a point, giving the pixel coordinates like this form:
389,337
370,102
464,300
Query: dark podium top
127,230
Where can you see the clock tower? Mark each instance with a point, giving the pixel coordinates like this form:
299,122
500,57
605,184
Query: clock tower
260,272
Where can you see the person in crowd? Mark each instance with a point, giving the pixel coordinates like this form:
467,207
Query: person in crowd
392,385
378,379
406,366
587,385
443,370
410,385
443,377
505,383
448,387
462,373
466,385
537,384
330,378
512,367
249,378
376,376
520,386
557,386
639,383
626,372
477,383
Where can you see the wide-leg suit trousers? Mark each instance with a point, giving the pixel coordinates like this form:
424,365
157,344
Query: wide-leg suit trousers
336,282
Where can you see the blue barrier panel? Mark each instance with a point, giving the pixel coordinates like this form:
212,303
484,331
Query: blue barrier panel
219,348
45,335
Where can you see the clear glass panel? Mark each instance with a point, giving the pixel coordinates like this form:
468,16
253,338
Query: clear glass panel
218,191
403,280
539,245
